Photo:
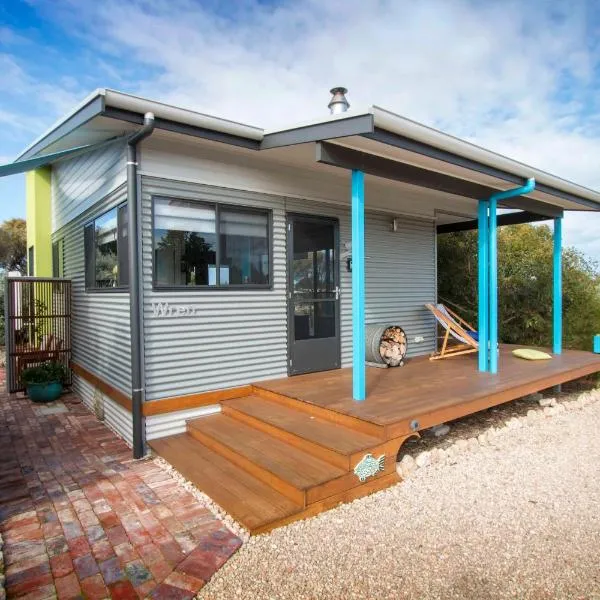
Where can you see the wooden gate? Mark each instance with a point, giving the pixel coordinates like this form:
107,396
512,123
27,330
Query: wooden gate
37,324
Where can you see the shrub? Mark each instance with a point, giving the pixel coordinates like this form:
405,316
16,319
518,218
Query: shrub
48,372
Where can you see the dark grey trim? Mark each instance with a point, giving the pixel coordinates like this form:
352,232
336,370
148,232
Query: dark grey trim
191,130
505,219
8,339
400,141
136,313
215,288
348,126
94,108
348,158
290,217
115,290
91,223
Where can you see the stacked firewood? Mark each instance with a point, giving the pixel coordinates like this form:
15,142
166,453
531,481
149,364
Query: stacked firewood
393,346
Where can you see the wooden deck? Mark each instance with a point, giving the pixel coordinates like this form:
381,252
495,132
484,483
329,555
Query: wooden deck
432,392
286,449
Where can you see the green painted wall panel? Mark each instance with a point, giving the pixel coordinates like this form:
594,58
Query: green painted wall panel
39,219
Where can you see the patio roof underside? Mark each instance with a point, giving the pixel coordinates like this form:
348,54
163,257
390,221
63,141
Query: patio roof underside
414,184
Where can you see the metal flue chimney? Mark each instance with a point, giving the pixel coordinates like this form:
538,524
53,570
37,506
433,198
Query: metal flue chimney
338,103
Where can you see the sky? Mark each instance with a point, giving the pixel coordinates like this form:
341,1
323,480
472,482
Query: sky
521,78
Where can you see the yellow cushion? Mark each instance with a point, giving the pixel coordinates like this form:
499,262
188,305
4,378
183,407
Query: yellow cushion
530,354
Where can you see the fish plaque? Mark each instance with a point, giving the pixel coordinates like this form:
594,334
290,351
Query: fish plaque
369,466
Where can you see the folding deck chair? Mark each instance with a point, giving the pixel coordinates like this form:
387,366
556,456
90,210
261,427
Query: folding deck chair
456,327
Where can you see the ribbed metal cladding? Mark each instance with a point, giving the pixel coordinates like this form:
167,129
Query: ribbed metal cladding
172,423
78,184
400,274
235,336
100,320
115,416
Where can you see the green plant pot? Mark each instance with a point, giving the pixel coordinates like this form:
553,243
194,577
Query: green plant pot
44,392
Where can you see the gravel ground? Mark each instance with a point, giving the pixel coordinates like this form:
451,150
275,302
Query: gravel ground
517,516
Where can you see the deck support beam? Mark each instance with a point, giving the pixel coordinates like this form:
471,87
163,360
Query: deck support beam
483,283
358,286
557,289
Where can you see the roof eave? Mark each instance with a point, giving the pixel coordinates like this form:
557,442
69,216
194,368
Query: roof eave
403,133
90,107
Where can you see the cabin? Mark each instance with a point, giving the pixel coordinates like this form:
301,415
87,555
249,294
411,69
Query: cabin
228,283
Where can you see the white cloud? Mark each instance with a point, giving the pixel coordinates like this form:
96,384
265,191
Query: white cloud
44,98
521,82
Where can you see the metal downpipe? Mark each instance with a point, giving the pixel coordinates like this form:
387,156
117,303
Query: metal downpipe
135,271
493,266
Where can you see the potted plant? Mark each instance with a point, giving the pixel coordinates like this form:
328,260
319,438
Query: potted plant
44,382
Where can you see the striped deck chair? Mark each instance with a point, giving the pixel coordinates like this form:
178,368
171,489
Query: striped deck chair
464,333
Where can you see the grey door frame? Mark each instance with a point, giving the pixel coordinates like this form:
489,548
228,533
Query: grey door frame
291,217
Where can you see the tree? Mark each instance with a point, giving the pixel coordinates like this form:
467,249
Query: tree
13,245
524,285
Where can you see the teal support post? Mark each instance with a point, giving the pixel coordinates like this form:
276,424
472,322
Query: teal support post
483,288
557,289
597,344
493,283
493,265
359,391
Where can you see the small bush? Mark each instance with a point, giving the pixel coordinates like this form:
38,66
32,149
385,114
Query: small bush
48,372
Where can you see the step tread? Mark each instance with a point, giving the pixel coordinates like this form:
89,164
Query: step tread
325,433
289,463
249,501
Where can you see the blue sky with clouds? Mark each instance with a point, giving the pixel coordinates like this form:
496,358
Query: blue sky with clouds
521,78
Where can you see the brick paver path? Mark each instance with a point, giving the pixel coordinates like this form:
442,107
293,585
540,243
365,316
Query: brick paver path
81,519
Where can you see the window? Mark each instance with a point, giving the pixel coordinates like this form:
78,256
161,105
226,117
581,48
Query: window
58,252
202,244
30,255
106,252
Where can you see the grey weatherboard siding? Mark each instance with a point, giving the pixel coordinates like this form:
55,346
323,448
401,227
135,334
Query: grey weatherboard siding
239,336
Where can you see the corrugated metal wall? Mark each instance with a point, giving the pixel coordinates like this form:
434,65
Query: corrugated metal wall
115,416
234,337
158,426
79,183
100,320
400,274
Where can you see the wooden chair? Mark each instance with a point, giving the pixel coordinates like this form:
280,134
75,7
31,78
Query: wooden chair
456,327
48,350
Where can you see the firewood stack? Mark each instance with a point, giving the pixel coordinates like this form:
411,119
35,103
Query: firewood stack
393,346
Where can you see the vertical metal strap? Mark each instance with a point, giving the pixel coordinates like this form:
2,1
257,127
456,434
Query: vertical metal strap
358,286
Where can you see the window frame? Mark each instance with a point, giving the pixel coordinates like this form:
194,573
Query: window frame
31,261
217,206
58,258
92,289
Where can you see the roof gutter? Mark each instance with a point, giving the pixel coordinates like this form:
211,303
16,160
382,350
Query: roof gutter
136,313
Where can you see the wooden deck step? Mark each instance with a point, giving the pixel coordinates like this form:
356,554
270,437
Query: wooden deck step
322,438
251,502
287,468
327,414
